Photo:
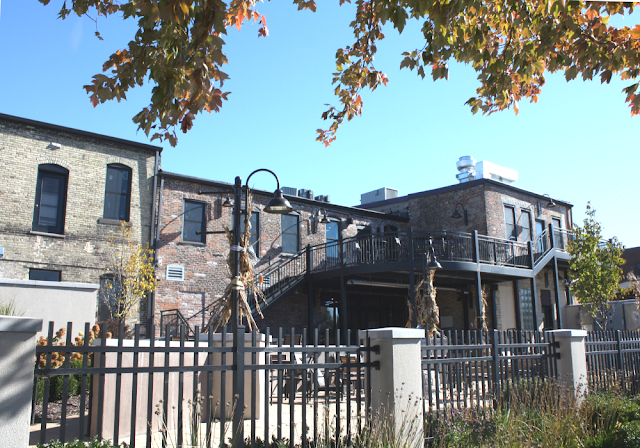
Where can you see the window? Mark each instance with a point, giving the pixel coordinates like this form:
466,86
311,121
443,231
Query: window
108,297
290,233
194,222
558,240
51,199
332,236
510,222
117,195
44,275
526,305
525,218
254,235
542,242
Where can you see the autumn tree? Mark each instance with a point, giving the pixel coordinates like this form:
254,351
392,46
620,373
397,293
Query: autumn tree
511,45
129,276
594,267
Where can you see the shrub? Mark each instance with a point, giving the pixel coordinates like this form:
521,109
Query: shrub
93,443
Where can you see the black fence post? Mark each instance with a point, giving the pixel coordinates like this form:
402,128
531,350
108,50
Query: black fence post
495,354
238,388
619,356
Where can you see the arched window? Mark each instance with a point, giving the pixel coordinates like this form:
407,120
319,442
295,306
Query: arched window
51,199
117,195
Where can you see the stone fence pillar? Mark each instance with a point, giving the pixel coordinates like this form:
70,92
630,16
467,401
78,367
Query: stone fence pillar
17,361
572,365
396,387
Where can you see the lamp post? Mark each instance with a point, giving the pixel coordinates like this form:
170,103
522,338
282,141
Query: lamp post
276,205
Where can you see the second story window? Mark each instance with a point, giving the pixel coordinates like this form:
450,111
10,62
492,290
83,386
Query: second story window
117,196
290,233
510,222
525,219
51,199
194,222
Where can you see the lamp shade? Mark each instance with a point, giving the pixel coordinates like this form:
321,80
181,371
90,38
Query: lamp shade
278,204
456,214
227,203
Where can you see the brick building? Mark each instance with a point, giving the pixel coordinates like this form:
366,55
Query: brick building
485,201
64,192
192,268
363,263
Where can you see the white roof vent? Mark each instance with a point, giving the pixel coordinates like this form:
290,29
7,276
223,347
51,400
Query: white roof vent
466,168
175,272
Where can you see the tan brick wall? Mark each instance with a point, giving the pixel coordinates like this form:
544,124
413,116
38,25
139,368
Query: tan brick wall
80,255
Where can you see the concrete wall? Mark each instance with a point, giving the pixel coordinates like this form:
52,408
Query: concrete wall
60,302
80,253
126,386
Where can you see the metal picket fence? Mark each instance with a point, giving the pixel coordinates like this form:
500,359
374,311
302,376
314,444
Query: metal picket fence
149,392
613,360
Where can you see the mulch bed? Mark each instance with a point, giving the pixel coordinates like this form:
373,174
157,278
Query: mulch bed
54,409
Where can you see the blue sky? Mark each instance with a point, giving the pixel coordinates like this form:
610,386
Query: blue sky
578,143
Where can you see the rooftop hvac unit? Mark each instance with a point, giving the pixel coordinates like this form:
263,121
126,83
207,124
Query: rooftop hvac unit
381,194
309,194
290,191
302,193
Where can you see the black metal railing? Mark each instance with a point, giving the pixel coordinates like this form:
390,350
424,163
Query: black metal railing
613,360
503,252
471,369
149,392
287,273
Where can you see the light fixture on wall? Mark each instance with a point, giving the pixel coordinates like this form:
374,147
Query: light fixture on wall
324,220
550,204
456,214
227,203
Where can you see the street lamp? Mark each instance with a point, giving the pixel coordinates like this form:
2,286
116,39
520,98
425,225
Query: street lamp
276,205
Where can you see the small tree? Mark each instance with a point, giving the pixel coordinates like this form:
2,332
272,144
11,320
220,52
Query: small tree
594,267
131,275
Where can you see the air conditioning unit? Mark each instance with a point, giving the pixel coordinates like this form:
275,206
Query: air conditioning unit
175,272
290,191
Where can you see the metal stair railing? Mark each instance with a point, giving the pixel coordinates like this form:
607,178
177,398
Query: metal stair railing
280,278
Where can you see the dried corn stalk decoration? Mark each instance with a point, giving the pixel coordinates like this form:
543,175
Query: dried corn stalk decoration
426,309
246,283
485,294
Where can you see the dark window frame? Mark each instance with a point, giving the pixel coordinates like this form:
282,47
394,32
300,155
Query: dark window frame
525,217
119,168
61,175
512,213
33,272
203,222
288,233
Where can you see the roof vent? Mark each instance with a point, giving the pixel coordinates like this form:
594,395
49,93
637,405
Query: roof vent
175,272
466,168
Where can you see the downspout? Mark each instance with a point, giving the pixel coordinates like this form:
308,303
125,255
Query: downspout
152,242
152,305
